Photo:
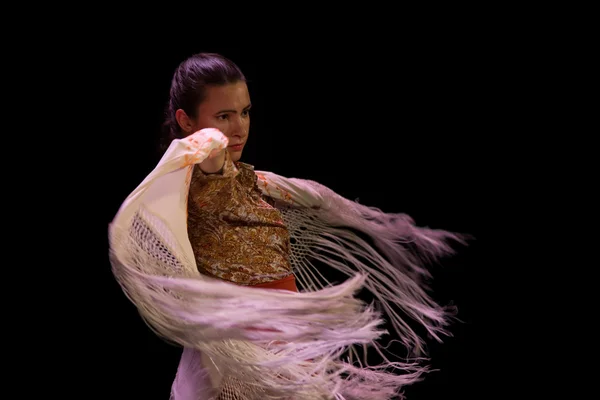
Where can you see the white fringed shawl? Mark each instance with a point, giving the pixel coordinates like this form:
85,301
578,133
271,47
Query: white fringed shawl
264,337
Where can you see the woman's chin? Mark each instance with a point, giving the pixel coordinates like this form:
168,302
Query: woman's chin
235,154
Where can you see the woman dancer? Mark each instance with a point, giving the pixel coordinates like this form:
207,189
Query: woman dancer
212,253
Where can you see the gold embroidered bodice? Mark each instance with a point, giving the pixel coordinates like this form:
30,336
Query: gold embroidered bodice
235,234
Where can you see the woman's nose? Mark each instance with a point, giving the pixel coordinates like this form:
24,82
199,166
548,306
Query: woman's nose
240,128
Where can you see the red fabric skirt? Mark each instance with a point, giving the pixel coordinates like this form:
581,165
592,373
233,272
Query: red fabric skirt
287,283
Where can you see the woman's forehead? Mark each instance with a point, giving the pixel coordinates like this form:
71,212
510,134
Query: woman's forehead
230,96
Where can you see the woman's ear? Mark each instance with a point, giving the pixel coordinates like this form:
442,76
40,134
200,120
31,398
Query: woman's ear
185,123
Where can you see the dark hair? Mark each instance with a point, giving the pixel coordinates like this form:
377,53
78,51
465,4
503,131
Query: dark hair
188,87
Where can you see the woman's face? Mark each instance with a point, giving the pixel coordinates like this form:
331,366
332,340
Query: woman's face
226,108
